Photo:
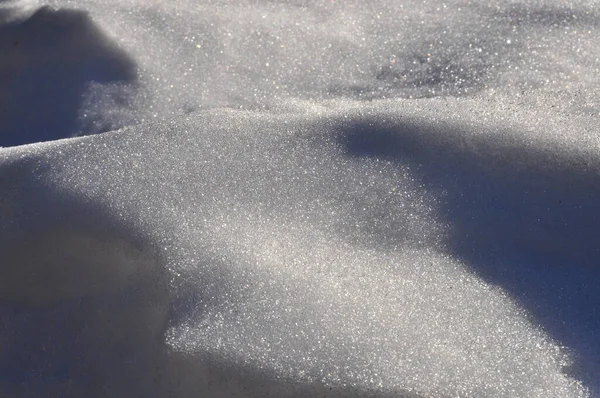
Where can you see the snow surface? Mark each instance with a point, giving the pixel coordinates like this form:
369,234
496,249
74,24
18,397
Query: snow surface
299,198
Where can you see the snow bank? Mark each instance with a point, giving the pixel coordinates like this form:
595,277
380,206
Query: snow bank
304,199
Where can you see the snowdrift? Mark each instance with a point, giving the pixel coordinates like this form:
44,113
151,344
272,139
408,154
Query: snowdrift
298,199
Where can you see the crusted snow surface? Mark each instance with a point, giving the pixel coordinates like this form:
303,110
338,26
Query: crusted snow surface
299,198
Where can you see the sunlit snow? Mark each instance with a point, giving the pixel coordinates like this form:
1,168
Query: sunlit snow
255,198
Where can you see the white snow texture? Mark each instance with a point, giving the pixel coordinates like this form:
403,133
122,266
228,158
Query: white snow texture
300,198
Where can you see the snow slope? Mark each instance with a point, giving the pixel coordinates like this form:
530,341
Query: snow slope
299,198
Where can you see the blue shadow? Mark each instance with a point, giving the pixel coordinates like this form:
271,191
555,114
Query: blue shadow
526,220
48,61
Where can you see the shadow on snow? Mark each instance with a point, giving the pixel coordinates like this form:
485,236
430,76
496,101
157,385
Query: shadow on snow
48,61
522,218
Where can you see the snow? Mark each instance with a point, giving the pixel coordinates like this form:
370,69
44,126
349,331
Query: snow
299,198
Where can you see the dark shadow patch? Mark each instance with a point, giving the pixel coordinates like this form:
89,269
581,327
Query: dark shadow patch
463,58
84,299
444,61
47,62
459,64
523,218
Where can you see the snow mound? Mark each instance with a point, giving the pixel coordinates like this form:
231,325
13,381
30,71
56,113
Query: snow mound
296,253
299,198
